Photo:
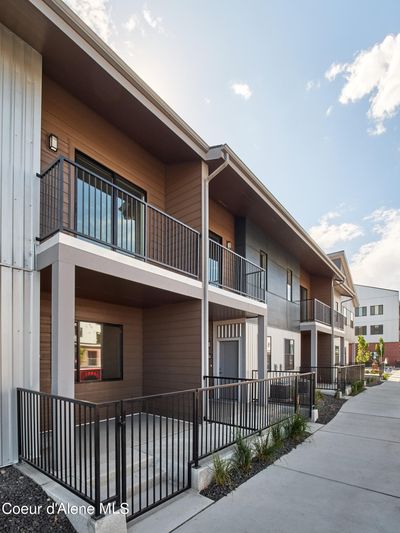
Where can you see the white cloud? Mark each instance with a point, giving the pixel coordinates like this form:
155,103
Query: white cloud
328,234
207,101
328,112
313,85
375,73
153,22
96,14
132,23
242,89
378,262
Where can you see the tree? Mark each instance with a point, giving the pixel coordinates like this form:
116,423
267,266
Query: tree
380,350
363,353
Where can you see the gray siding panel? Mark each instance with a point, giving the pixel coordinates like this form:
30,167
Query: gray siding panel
20,118
281,313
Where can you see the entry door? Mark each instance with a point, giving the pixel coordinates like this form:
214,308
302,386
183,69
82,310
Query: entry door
229,367
229,359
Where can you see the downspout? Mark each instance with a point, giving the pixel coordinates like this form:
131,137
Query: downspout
205,257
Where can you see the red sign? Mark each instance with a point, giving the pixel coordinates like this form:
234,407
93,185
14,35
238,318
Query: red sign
90,374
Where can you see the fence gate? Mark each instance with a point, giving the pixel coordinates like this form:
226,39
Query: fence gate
157,449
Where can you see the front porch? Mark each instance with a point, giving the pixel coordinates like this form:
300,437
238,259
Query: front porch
141,451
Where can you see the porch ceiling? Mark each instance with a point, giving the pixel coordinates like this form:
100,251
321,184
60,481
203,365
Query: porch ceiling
105,288
220,312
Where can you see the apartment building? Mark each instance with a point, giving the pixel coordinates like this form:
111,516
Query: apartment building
135,259
377,315
344,304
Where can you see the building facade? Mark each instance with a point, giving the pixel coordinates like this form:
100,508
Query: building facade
135,258
377,315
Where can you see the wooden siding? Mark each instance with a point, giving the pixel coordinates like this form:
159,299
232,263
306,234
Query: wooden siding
222,222
78,127
172,347
305,280
20,112
324,349
321,288
183,193
92,310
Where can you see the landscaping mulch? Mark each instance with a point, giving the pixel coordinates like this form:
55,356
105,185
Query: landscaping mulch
20,490
328,408
216,492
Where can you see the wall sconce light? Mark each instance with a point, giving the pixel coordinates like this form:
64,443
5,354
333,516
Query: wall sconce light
53,142
229,245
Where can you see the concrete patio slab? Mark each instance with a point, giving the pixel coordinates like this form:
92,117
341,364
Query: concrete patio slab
363,425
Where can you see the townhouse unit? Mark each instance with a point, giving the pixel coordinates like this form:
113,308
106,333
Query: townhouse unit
135,258
377,315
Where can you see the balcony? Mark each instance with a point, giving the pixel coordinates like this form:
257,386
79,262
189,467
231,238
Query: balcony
314,310
230,271
79,202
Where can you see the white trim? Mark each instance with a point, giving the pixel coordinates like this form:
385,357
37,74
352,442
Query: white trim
236,301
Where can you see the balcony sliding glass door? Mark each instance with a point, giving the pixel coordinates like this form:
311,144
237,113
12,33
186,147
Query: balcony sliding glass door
111,215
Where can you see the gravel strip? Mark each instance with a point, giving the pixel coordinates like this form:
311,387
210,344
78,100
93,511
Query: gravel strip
328,408
20,490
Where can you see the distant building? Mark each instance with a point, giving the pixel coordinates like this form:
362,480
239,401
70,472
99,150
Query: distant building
378,316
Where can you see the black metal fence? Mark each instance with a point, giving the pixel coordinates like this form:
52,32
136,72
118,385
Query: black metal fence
235,273
140,451
314,310
82,203
335,377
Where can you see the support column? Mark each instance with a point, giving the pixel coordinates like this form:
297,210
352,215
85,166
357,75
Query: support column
62,329
342,354
314,347
204,273
261,348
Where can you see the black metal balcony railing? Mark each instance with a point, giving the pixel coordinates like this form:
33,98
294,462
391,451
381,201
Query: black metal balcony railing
84,204
313,310
338,320
229,270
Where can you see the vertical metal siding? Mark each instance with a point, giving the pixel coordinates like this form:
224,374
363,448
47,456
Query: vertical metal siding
20,121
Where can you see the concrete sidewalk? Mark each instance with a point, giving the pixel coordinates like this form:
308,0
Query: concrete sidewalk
345,477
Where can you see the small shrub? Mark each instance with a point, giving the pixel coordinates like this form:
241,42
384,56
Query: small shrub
385,376
277,437
222,471
318,396
356,387
298,427
242,455
263,448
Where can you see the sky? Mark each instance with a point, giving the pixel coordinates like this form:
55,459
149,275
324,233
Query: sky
307,93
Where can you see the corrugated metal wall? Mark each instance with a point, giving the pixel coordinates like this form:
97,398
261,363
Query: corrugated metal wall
20,118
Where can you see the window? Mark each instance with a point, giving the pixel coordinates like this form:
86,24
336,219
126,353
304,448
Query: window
98,351
264,265
351,319
337,355
361,311
376,309
215,259
360,330
269,353
376,330
289,285
289,354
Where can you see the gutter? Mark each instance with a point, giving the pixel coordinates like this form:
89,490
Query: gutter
205,257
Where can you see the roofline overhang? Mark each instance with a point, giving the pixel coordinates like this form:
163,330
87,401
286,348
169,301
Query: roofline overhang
59,14
216,153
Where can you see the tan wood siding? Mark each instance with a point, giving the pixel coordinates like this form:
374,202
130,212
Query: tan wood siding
305,280
183,193
324,349
222,222
172,347
321,289
78,127
92,310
